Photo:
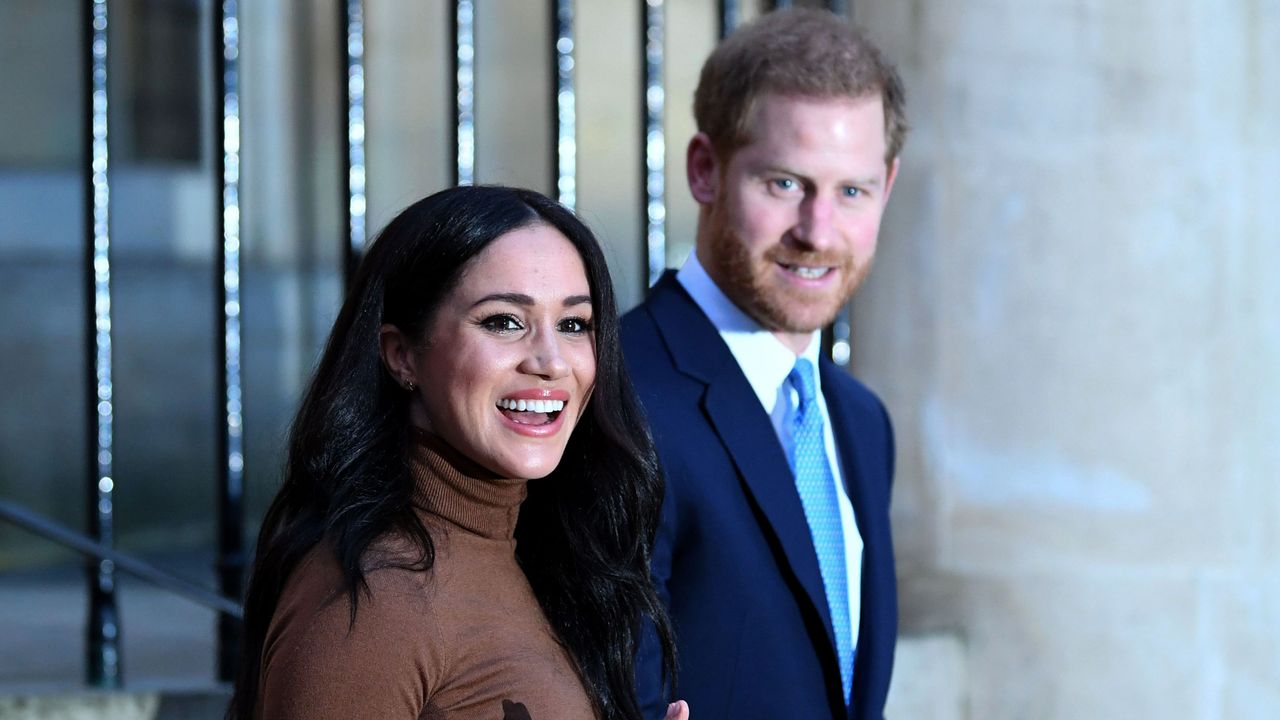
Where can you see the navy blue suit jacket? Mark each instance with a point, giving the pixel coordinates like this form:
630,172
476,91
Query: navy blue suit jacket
733,559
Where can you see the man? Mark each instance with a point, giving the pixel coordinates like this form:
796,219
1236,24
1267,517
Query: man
774,554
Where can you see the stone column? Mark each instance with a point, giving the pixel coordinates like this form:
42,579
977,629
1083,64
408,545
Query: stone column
1075,321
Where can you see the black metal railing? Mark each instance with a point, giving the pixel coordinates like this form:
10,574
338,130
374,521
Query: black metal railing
351,37
564,108
103,561
104,617
464,91
232,558
653,144
96,551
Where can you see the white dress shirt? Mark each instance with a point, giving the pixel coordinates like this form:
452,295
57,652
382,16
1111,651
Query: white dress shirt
767,362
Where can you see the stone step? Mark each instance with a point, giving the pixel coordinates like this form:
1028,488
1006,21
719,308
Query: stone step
208,704
928,682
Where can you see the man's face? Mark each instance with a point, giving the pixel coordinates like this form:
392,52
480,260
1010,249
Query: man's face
792,216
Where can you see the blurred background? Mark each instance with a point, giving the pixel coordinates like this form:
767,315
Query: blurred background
1074,317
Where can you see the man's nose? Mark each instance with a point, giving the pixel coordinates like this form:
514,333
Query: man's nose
815,228
545,357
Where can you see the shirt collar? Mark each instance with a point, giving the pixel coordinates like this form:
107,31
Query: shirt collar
763,358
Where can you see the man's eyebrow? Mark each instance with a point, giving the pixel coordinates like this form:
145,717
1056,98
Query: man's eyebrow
867,181
526,301
778,170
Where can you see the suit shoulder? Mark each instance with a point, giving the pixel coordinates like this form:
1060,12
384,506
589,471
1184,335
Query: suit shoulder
644,350
865,410
853,390
638,327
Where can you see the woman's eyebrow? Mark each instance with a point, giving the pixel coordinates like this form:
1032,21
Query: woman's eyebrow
513,298
526,301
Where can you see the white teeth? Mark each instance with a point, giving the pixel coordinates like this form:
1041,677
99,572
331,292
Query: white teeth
808,273
538,406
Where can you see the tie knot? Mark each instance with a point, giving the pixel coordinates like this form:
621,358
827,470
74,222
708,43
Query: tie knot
801,378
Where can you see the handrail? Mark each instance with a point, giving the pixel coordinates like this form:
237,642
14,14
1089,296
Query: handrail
40,525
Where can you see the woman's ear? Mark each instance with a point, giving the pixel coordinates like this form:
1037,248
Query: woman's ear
397,354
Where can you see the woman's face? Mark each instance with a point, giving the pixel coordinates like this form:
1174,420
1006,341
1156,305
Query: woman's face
508,362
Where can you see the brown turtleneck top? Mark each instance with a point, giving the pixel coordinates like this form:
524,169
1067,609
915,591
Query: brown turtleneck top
464,639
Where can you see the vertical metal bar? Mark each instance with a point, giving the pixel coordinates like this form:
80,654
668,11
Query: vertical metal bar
104,662
841,347
728,12
464,58
231,553
565,106
352,24
655,145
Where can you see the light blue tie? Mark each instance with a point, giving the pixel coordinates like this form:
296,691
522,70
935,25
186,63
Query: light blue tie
817,489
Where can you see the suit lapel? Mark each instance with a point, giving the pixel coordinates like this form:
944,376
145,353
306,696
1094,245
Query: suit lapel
854,460
843,425
734,411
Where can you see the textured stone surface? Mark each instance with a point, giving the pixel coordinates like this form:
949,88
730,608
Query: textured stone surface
167,641
928,679
203,704
112,706
408,124
1075,323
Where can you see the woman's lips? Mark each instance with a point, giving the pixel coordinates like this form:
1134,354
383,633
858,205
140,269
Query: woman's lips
532,423
533,412
538,394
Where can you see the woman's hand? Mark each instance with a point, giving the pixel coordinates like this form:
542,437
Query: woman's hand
678,710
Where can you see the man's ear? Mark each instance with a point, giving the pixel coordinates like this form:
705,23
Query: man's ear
889,179
702,166
397,354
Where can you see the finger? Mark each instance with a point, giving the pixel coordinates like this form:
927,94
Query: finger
678,710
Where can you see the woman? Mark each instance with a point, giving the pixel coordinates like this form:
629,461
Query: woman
477,349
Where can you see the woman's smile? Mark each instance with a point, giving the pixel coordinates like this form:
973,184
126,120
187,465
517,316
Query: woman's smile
534,413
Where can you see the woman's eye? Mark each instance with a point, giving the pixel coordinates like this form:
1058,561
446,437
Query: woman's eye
501,324
575,325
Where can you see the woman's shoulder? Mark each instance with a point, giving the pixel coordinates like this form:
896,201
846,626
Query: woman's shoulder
396,581
317,608
393,641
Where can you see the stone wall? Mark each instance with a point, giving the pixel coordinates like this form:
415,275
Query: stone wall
1075,322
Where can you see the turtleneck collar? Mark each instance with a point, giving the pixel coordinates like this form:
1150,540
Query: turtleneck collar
446,485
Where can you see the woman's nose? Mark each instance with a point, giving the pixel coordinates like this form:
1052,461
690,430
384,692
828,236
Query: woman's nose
545,357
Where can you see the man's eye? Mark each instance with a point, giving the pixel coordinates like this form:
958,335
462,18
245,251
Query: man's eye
784,184
852,192
501,324
575,325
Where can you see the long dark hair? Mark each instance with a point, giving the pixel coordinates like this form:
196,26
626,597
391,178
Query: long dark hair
585,531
